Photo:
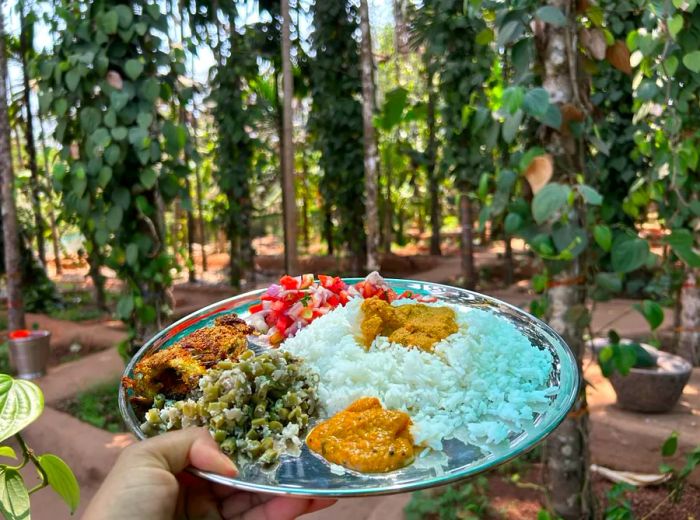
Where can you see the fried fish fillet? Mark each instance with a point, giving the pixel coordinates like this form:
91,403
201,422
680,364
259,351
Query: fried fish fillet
175,371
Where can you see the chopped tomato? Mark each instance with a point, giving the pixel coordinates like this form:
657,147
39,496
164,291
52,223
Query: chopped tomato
307,313
255,308
288,282
326,281
307,281
333,300
278,306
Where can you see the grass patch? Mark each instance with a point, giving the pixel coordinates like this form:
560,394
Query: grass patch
81,313
466,500
98,406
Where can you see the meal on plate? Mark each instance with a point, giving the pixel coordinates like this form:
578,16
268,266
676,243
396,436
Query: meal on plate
370,380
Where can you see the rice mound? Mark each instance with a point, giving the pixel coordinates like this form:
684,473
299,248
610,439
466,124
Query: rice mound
481,384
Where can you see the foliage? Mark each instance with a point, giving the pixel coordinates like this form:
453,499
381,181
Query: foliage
452,502
664,52
21,403
336,120
120,160
679,477
235,158
97,406
4,358
622,357
618,505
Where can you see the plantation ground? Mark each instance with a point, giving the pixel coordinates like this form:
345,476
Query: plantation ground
620,440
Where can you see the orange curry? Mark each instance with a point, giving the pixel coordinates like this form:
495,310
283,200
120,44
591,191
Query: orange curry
411,325
365,437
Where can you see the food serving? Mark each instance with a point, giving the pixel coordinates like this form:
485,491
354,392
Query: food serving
368,379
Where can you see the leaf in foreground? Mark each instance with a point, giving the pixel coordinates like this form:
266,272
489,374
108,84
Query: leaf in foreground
21,403
61,479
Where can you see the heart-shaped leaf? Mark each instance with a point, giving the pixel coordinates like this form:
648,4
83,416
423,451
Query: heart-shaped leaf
133,68
61,479
21,403
14,497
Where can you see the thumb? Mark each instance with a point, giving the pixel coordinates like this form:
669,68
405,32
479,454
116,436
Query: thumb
174,451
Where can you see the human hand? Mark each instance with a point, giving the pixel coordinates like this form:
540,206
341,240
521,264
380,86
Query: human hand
148,482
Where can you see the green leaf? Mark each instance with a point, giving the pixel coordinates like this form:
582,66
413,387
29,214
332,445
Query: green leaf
109,21
133,69
484,37
114,218
72,79
138,135
144,119
670,445
551,117
150,90
652,312
510,32
125,14
148,178
590,195
536,102
7,451
681,241
21,402
511,125
132,254
609,281
675,24
14,497
512,223
101,137
393,108
692,61
60,106
61,479
118,100
549,200
45,99
551,15
603,237
125,307
119,133
629,254
89,119
512,99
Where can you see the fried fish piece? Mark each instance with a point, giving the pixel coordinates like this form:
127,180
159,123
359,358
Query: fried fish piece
175,371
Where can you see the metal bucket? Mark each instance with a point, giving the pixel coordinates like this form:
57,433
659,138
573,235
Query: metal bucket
29,352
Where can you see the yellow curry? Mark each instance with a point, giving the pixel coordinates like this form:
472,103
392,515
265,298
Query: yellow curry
365,437
412,325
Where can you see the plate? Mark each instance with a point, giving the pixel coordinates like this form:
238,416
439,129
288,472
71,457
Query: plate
310,476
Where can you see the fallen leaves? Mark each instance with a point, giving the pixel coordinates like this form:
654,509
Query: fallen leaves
619,57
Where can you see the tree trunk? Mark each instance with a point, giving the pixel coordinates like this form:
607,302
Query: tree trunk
25,48
289,196
689,329
388,234
305,203
98,279
200,211
328,228
191,270
567,456
431,168
467,245
370,141
52,219
13,268
510,267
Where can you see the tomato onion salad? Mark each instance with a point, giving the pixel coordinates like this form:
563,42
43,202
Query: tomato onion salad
296,301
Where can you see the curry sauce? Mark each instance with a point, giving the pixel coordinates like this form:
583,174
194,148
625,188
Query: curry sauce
411,325
365,437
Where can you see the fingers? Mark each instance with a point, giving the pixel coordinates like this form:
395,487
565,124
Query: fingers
176,450
253,506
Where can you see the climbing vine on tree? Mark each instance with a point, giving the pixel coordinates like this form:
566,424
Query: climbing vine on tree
107,82
336,122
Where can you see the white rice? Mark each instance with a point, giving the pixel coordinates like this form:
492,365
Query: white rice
482,383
